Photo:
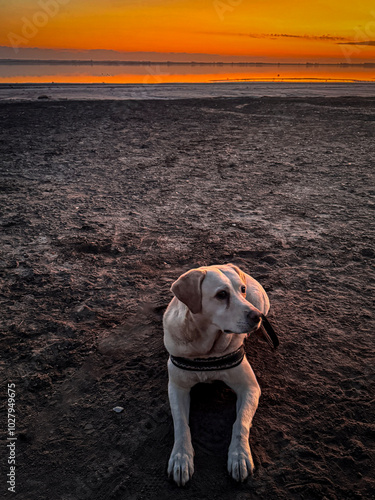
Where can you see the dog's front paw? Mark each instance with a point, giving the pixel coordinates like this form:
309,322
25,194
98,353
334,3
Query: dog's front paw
181,466
240,462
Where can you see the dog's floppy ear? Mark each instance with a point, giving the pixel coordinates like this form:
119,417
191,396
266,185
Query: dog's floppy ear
240,273
188,289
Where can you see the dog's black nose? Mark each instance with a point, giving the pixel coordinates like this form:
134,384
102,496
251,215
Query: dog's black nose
254,316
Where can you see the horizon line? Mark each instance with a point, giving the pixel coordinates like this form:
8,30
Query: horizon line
110,62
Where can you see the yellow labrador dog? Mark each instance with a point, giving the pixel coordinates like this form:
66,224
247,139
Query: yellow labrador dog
205,325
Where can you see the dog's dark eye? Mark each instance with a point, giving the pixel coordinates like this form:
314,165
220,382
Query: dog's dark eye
222,295
243,289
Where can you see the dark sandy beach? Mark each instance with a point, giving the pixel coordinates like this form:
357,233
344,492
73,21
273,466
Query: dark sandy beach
103,205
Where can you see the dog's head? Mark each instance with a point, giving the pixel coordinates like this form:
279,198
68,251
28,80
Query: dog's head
217,296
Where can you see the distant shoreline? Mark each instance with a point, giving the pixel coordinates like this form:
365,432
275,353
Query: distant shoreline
89,62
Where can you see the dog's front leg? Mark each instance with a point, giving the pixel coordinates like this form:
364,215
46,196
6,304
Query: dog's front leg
240,461
181,462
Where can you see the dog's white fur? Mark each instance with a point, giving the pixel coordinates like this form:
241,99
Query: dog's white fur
202,322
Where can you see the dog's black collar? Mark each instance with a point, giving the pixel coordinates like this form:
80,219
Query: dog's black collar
210,364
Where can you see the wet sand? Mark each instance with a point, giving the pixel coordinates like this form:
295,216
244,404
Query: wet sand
104,205
104,91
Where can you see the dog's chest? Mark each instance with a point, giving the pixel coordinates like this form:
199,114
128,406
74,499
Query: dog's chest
213,344
205,377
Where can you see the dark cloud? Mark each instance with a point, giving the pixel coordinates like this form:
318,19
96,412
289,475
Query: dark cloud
279,35
371,43
311,37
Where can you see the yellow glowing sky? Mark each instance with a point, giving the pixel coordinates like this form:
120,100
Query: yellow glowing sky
267,30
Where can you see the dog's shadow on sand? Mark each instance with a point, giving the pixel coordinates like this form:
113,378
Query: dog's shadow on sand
212,414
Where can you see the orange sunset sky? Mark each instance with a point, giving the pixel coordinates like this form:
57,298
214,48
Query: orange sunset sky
248,30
